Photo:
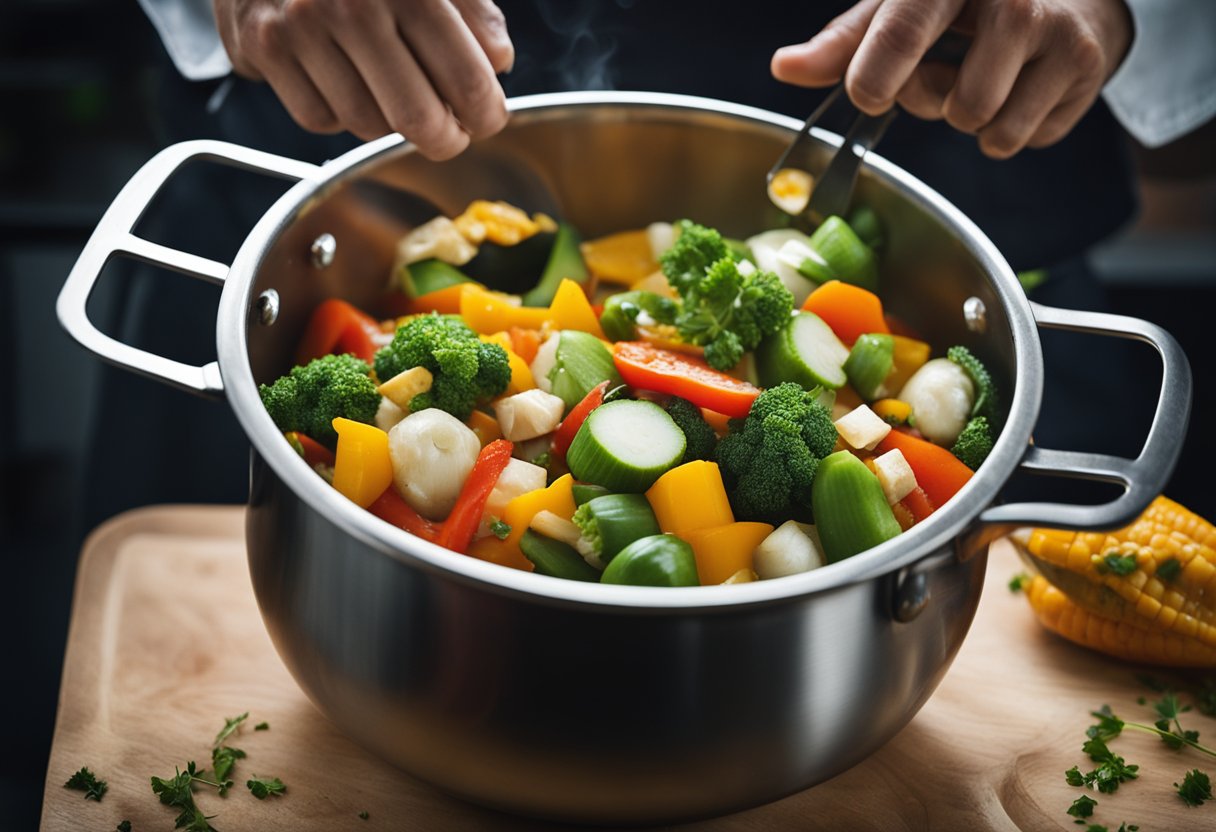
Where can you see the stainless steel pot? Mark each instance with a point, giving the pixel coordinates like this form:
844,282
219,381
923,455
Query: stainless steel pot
597,703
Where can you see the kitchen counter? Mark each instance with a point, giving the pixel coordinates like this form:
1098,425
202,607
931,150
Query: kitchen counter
166,641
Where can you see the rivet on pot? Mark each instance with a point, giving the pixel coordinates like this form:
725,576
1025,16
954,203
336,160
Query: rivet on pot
975,315
911,596
268,307
323,250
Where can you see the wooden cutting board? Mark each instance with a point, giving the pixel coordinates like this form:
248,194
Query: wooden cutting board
166,641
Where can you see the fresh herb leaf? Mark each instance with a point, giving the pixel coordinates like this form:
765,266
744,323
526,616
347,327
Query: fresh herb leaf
1082,807
1111,770
230,726
123,826
1168,708
87,782
223,759
178,792
500,529
543,460
1019,582
1195,789
1108,726
364,815
262,787
1120,564
1074,777
262,726
1169,569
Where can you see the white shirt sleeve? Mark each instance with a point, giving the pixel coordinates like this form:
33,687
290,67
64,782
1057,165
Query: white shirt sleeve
188,31
1166,86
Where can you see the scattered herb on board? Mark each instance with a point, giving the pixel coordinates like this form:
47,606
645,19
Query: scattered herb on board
177,791
123,826
263,787
262,726
87,782
230,726
364,815
1195,789
223,759
1082,807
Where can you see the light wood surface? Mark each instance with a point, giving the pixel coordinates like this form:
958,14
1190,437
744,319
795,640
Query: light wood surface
166,640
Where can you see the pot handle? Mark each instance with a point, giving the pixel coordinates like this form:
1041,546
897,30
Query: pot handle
1143,477
113,237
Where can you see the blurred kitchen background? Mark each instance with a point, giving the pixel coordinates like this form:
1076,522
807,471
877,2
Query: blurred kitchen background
76,81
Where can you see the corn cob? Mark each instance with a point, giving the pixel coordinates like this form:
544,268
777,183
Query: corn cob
1165,582
1057,612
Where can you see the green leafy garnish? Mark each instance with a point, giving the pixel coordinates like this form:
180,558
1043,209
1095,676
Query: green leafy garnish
500,529
87,782
262,726
123,826
1195,789
1111,769
230,726
1169,569
223,759
1019,582
1120,564
364,815
1168,708
1082,807
178,792
263,787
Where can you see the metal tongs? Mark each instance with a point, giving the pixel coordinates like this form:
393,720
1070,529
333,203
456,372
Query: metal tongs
834,187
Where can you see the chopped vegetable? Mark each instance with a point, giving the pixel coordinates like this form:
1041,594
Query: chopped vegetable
806,352
570,310
485,312
625,446
657,560
309,398
938,471
403,387
624,310
722,551
790,549
770,458
432,454
974,443
564,263
849,310
363,467
462,522
529,414
609,523
895,475
869,363
851,511
765,251
985,397
438,238
623,258
941,395
568,429
862,428
850,260
690,497
580,362
648,368
700,440
466,370
420,279
338,327
554,558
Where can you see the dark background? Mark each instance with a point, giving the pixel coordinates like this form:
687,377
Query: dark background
77,85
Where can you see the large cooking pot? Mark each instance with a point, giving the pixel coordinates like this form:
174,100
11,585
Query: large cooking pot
610,703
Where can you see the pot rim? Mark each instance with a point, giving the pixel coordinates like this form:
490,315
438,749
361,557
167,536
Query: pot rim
237,307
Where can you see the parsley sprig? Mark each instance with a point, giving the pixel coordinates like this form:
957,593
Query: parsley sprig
178,791
1110,726
263,787
1195,789
87,782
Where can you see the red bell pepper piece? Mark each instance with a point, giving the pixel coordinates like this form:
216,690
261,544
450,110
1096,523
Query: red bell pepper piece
569,426
938,472
917,502
457,531
648,367
314,452
338,327
391,508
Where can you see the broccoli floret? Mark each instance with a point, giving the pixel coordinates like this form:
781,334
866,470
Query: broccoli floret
695,250
769,459
985,390
467,371
309,398
974,443
699,438
728,313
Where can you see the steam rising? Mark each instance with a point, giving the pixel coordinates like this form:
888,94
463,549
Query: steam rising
587,61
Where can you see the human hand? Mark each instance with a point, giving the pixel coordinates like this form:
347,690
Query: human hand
1033,69
423,68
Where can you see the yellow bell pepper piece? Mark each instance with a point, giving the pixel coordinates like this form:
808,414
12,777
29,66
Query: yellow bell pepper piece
500,552
690,497
623,258
894,411
521,373
557,498
908,357
570,309
488,312
485,426
723,551
362,468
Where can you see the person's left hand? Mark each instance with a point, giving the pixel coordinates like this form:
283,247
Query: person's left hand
1032,71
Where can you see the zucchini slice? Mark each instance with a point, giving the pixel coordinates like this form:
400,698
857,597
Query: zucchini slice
625,446
806,351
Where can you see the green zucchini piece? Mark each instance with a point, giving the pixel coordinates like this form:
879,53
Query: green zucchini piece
612,522
515,268
851,511
806,351
556,559
428,276
869,363
625,446
866,226
580,363
657,560
619,319
585,492
565,261
847,256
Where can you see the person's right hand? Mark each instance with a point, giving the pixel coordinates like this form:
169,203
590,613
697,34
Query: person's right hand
422,68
